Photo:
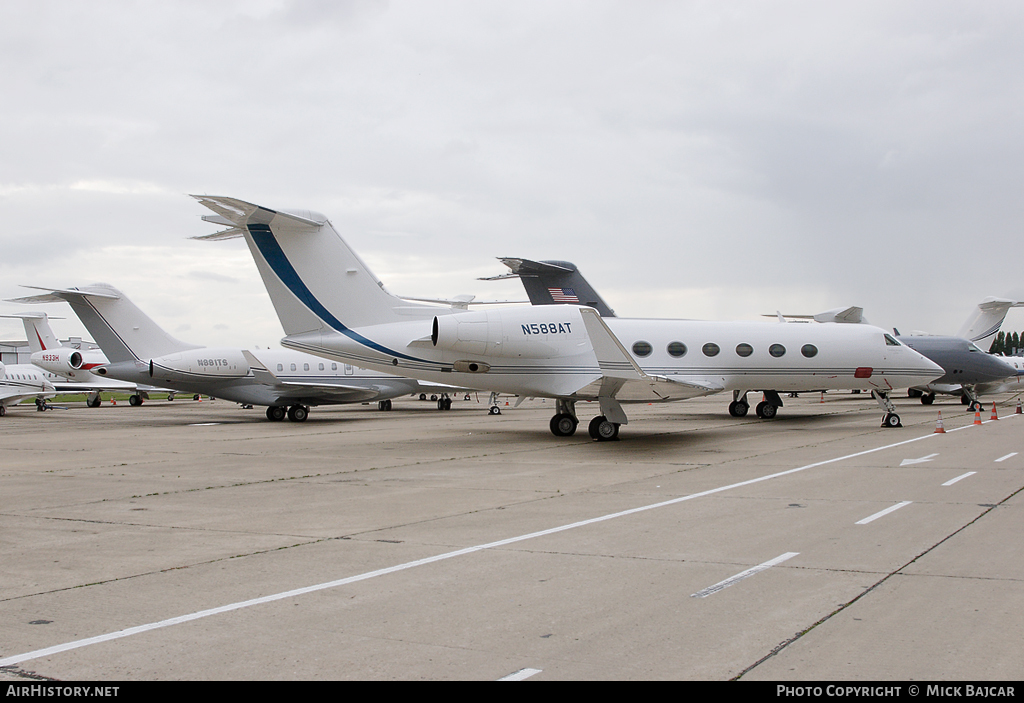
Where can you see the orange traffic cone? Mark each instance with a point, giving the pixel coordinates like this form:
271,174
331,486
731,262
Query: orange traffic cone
994,416
822,397
939,429
113,402
977,417
1018,407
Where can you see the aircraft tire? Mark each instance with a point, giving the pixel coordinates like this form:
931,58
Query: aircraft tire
738,409
891,420
766,410
135,400
563,425
3,411
93,403
276,413
927,398
494,410
602,430
298,413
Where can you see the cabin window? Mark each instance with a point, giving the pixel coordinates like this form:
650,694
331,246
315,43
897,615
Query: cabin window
710,349
809,350
294,367
280,367
321,366
305,367
642,348
777,350
676,349
334,367
891,342
744,349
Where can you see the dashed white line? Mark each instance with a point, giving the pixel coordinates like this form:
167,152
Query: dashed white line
951,481
880,513
520,675
742,575
1004,458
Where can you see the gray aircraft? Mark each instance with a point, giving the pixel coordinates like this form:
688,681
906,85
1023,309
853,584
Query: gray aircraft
968,369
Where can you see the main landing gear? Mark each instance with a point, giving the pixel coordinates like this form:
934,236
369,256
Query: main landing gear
766,409
602,428
296,413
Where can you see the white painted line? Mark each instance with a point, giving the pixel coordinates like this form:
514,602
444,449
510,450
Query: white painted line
742,575
883,512
1004,458
520,675
48,651
951,481
922,460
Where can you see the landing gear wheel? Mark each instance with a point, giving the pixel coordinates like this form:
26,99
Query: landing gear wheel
602,430
135,399
384,404
494,410
3,411
276,413
298,413
891,420
766,410
92,402
738,408
563,425
444,403
423,396
927,398
975,407
964,400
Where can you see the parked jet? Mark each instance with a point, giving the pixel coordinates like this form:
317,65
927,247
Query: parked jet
70,369
332,305
139,351
967,368
19,382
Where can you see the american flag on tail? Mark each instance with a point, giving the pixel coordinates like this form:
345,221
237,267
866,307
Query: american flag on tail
563,295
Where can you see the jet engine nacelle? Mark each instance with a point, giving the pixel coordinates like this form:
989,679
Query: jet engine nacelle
63,361
522,332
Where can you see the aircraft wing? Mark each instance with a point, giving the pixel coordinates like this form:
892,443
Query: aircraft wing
297,389
12,395
623,379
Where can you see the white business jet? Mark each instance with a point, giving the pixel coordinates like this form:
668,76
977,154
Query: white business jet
68,368
19,382
287,382
331,305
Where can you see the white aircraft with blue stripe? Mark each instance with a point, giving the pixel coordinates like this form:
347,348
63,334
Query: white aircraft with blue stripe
330,304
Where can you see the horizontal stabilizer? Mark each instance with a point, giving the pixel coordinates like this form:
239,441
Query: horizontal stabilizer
59,295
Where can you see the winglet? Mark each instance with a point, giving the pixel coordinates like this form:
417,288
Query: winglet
259,369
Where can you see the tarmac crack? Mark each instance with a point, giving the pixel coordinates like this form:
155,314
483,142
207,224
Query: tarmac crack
870,589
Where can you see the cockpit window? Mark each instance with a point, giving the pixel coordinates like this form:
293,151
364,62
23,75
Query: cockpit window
891,341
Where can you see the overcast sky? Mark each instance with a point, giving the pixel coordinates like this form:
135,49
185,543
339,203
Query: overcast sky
694,159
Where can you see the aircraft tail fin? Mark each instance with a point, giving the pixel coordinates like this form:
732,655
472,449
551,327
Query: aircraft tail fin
554,283
122,330
37,330
982,325
315,280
